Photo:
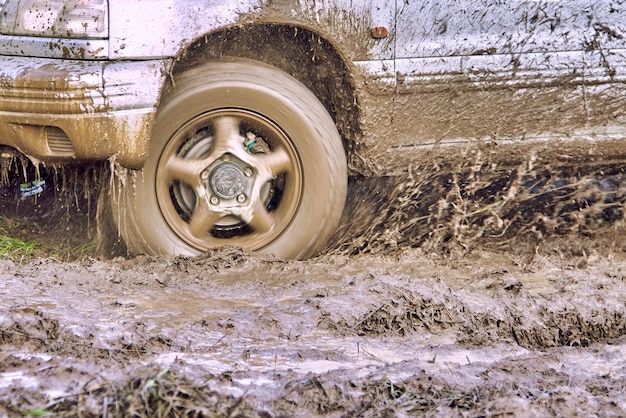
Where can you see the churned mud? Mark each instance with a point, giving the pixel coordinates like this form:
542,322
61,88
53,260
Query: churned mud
442,295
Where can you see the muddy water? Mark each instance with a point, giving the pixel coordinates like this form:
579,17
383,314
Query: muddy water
419,307
233,333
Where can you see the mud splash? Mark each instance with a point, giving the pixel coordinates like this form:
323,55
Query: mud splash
424,304
457,208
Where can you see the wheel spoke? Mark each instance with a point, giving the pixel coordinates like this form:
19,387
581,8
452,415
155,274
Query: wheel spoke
226,137
202,220
277,161
184,170
261,220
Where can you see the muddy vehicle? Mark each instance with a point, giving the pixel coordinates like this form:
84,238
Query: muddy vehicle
239,122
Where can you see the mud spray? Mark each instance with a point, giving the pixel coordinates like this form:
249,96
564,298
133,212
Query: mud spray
450,291
454,209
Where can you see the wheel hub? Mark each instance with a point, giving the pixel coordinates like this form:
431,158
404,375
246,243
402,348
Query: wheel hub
227,181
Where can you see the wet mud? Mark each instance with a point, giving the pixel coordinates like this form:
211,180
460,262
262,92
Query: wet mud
456,294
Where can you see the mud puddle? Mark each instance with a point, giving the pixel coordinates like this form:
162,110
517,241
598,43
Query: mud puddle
468,304
362,335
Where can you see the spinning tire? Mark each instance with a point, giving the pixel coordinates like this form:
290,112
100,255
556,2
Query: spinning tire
241,154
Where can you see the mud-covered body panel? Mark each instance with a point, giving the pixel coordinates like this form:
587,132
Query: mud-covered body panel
60,109
447,73
174,25
510,72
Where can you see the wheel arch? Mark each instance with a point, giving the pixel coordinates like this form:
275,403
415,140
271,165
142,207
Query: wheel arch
300,52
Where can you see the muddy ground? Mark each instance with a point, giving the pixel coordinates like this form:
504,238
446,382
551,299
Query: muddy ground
441,295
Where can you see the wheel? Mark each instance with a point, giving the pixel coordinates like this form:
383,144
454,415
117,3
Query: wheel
241,154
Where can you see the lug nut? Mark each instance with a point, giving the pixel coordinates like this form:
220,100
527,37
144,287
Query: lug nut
247,171
241,198
204,175
214,200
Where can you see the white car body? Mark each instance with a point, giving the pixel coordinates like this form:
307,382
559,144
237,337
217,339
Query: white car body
238,122
448,72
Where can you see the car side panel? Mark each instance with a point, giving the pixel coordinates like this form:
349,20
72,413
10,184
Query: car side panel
58,110
509,72
435,28
164,28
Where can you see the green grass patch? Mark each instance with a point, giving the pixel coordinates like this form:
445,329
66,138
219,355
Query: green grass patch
13,247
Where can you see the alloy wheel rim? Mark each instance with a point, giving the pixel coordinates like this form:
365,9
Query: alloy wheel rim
229,177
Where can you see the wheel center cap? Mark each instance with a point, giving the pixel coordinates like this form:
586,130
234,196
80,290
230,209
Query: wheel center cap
227,181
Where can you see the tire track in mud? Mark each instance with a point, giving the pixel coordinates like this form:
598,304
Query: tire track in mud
572,313
528,319
478,308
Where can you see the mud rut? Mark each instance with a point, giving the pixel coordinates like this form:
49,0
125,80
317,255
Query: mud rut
455,294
